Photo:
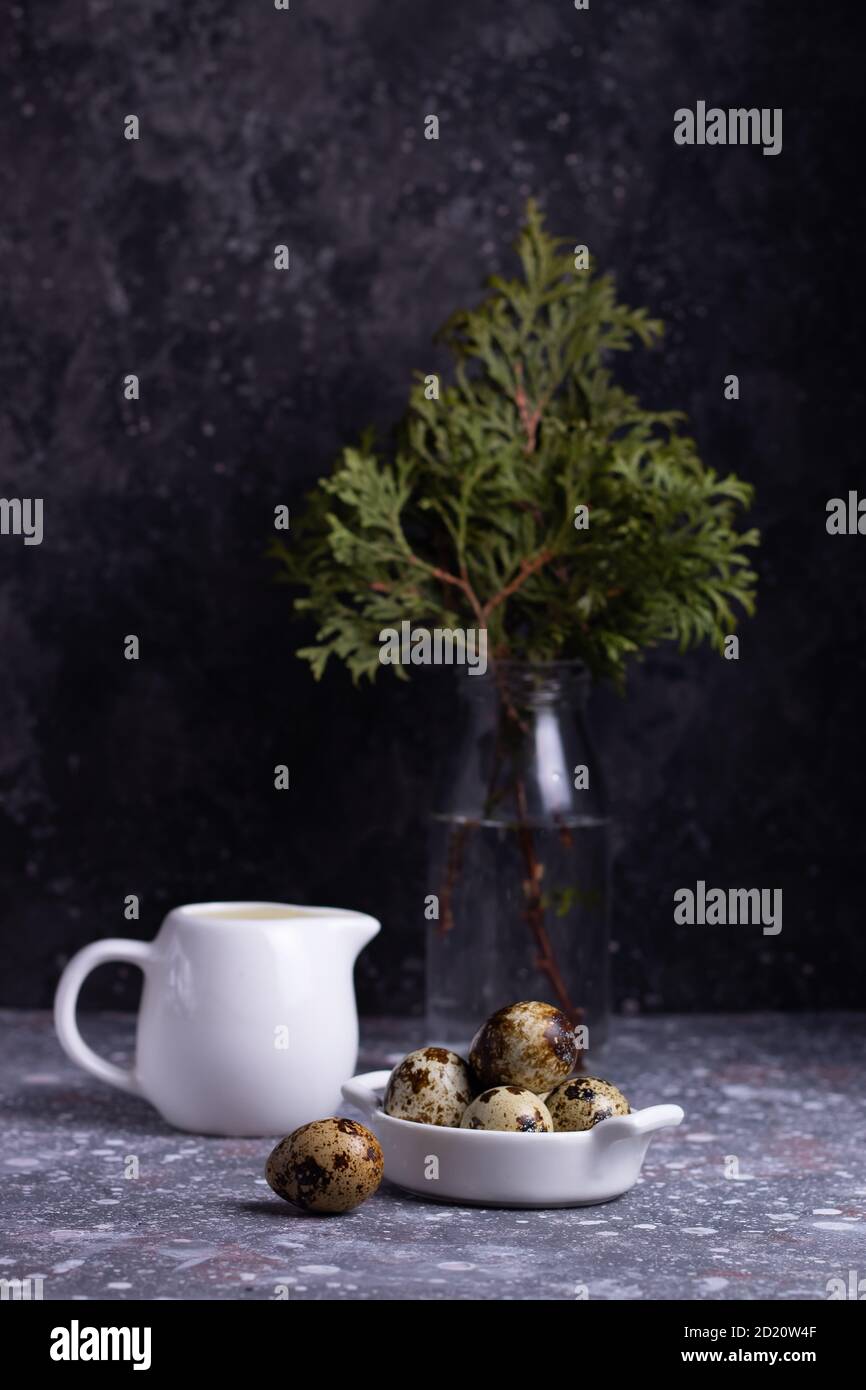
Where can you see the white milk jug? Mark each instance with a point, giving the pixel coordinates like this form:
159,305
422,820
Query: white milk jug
248,1023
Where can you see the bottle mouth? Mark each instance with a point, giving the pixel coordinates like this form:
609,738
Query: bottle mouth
570,663
532,682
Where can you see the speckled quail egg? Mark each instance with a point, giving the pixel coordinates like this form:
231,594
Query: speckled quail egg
326,1166
528,1044
508,1107
585,1101
431,1086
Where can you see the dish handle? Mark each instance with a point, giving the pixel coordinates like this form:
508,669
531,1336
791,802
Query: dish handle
639,1122
361,1091
658,1117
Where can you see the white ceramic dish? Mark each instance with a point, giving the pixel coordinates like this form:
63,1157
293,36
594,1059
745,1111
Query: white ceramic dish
496,1169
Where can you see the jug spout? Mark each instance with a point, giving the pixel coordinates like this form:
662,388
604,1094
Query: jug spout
331,934
346,933
360,929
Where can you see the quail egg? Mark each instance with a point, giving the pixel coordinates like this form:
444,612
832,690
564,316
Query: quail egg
431,1086
508,1107
528,1044
326,1166
585,1101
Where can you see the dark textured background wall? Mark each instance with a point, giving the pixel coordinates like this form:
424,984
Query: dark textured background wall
156,257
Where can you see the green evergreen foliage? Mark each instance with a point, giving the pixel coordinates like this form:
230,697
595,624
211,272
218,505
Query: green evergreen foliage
469,522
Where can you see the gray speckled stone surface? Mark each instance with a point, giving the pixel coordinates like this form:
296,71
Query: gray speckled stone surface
774,1101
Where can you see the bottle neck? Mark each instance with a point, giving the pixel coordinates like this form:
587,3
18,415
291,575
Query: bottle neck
525,686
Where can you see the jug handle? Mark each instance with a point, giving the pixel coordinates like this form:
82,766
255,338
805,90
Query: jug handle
138,953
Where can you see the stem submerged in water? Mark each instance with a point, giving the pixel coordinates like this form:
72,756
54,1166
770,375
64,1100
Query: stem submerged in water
545,961
453,865
506,784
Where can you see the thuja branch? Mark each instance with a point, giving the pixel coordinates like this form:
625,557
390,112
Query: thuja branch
436,572
479,474
527,568
530,416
